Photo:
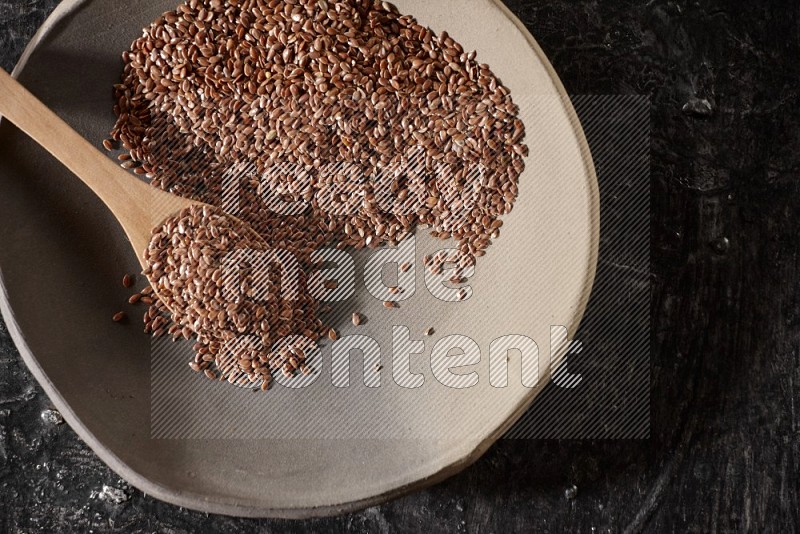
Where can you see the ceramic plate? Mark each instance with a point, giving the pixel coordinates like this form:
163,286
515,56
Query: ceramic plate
290,452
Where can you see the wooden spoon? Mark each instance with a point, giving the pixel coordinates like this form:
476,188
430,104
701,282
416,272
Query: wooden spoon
137,206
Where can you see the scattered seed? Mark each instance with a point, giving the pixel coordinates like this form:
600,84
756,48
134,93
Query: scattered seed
135,298
389,304
332,334
405,267
119,317
127,281
430,331
356,319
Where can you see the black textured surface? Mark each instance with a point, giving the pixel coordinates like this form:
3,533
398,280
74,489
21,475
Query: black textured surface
724,451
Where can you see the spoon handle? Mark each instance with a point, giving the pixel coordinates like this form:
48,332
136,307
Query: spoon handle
96,170
137,206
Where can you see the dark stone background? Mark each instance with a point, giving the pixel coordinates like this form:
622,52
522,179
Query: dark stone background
724,452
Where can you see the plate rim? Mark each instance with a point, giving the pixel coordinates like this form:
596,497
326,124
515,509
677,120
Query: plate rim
200,503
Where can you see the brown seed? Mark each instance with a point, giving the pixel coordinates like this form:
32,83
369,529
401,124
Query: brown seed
332,334
356,319
429,331
119,317
135,298
210,374
405,267
389,304
108,144
128,280
147,300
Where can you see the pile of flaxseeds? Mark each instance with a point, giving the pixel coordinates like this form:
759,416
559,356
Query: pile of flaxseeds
385,125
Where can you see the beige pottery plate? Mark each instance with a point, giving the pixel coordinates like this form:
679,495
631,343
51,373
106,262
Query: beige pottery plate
63,256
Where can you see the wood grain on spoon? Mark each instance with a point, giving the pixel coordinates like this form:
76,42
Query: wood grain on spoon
136,205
